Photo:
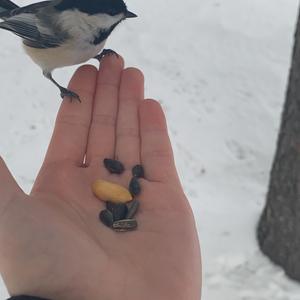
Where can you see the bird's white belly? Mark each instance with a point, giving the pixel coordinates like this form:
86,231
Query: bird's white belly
65,55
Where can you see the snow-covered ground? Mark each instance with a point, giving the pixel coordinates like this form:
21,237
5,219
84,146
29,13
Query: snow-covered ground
220,69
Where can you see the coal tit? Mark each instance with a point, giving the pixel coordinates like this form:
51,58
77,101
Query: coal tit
62,33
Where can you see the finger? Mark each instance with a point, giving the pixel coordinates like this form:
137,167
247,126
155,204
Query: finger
71,130
156,150
102,132
127,134
8,187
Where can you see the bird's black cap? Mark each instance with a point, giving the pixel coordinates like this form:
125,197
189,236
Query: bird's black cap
92,7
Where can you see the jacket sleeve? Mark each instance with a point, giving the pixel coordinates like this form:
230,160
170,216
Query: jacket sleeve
23,297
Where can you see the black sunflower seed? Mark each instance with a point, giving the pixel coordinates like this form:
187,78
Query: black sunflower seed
125,225
118,210
106,218
134,187
113,166
133,207
138,171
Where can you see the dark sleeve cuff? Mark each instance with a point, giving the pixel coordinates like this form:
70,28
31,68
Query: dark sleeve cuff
23,297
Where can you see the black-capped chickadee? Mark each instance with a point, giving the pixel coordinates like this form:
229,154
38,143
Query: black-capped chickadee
62,33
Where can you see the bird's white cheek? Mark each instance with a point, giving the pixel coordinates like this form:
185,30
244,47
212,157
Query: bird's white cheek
84,26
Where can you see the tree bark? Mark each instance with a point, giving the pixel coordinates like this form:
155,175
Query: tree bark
278,230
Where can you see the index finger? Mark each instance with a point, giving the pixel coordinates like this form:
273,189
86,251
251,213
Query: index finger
69,139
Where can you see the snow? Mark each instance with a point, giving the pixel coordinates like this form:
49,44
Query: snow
220,70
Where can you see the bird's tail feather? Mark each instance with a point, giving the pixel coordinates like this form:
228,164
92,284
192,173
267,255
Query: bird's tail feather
6,5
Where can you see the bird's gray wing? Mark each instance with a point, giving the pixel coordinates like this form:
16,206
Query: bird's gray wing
29,27
32,8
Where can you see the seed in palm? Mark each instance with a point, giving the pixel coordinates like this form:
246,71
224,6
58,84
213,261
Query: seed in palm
138,171
118,210
133,207
134,187
113,166
125,225
106,218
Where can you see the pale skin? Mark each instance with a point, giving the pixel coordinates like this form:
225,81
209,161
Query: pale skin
52,243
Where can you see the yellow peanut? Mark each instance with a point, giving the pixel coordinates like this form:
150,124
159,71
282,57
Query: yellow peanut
108,191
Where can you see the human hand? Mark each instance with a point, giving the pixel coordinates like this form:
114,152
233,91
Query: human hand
52,243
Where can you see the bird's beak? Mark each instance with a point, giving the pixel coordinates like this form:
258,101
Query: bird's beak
130,14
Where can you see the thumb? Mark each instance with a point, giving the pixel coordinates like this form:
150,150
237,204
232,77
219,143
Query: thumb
8,186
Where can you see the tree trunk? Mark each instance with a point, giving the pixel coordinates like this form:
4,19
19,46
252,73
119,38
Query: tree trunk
278,231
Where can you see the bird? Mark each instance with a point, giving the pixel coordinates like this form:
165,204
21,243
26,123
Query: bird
60,33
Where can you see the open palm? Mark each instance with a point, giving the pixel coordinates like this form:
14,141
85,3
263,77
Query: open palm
52,243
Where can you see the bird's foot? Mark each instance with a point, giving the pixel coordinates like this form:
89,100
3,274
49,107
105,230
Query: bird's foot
67,93
106,52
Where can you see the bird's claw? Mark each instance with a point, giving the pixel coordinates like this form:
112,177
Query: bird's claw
106,52
67,93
